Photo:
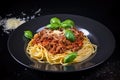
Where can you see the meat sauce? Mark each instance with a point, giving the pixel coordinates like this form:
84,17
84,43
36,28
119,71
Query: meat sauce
57,43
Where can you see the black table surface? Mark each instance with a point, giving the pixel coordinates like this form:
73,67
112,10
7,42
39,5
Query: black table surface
103,11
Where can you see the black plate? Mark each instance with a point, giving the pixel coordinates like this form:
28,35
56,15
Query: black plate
97,33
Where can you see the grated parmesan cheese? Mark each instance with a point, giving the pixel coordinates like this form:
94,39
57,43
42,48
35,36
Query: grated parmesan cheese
57,32
13,23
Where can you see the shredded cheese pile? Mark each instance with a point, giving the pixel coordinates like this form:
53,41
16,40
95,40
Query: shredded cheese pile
12,23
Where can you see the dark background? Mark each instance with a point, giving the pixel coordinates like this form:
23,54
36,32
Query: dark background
104,11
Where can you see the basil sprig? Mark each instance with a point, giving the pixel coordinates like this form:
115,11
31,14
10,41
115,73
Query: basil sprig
55,23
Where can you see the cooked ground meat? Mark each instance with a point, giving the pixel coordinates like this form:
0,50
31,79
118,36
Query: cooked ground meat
55,41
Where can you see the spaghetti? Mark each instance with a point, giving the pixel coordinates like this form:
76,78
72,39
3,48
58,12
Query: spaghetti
51,46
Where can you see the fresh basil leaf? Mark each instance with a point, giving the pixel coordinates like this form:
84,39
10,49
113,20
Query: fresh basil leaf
65,25
28,34
69,21
53,26
70,57
55,20
69,35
